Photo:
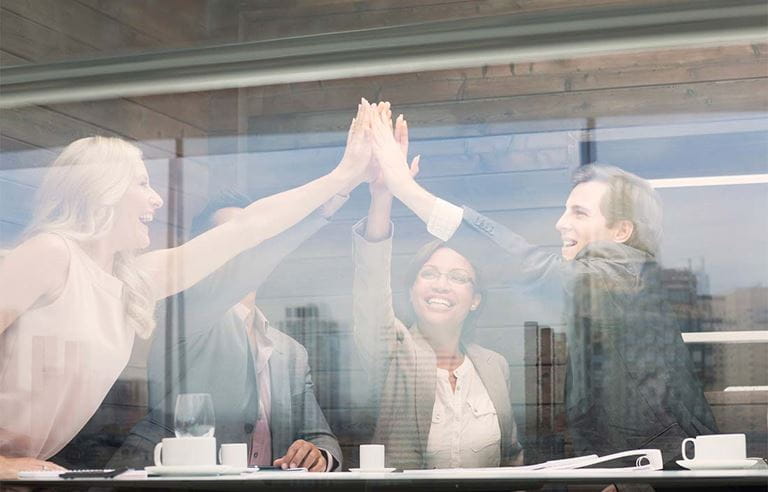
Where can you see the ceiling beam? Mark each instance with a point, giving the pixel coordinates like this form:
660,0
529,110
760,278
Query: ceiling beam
389,50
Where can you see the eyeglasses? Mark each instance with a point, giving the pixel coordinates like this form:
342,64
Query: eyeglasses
456,276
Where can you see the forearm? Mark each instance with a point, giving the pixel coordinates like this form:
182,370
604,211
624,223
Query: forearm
373,315
377,225
177,269
207,301
441,217
416,198
509,256
270,216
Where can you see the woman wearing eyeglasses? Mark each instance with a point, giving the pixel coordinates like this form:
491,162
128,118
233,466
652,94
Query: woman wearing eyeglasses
443,401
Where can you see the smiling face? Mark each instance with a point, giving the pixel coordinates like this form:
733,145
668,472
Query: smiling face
583,221
443,293
135,210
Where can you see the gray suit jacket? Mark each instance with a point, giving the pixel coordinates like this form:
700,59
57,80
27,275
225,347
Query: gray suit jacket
402,366
630,382
210,353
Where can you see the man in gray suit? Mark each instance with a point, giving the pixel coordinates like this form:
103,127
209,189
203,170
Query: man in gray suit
258,377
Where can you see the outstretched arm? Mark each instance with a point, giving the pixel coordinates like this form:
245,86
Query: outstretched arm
395,172
176,269
208,300
512,257
380,211
375,324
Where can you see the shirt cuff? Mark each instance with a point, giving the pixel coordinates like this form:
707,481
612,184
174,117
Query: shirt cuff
331,463
444,220
358,231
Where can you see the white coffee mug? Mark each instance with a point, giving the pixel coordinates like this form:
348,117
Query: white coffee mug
234,455
717,447
190,451
372,456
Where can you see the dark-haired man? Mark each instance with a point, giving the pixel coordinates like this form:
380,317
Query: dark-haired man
258,377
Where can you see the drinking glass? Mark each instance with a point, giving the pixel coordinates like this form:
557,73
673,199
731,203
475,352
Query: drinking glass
194,415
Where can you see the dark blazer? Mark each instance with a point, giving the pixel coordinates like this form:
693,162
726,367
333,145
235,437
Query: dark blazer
212,354
630,381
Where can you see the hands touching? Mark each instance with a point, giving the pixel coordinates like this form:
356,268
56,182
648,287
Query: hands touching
386,155
376,152
389,165
355,165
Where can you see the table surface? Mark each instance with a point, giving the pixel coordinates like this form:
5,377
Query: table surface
502,479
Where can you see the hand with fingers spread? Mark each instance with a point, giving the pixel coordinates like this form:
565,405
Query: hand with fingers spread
380,210
389,149
355,164
303,454
378,187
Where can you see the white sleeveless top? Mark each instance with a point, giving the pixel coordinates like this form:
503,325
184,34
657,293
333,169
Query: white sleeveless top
58,362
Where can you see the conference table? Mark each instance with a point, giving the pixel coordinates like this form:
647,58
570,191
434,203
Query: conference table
749,479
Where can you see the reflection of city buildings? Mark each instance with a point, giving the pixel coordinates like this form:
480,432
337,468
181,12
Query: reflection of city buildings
722,365
694,312
321,339
743,364
717,365
341,385
545,424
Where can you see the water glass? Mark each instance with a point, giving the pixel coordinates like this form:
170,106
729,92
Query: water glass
194,415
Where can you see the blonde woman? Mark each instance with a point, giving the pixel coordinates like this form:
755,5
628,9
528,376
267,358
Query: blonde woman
77,288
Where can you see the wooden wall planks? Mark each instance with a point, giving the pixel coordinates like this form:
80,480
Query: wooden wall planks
7,58
53,30
137,121
173,23
95,31
37,42
305,18
542,112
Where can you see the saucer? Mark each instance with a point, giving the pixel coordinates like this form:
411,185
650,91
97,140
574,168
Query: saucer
236,469
372,470
718,464
189,470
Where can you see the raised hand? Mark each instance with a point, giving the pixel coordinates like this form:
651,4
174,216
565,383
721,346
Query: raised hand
356,162
390,151
379,212
378,187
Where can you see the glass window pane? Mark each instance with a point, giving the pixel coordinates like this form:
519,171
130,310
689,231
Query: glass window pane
679,332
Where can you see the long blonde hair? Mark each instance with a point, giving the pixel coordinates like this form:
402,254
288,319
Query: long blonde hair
77,199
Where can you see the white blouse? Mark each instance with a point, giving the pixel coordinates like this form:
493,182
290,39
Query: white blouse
57,362
465,430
